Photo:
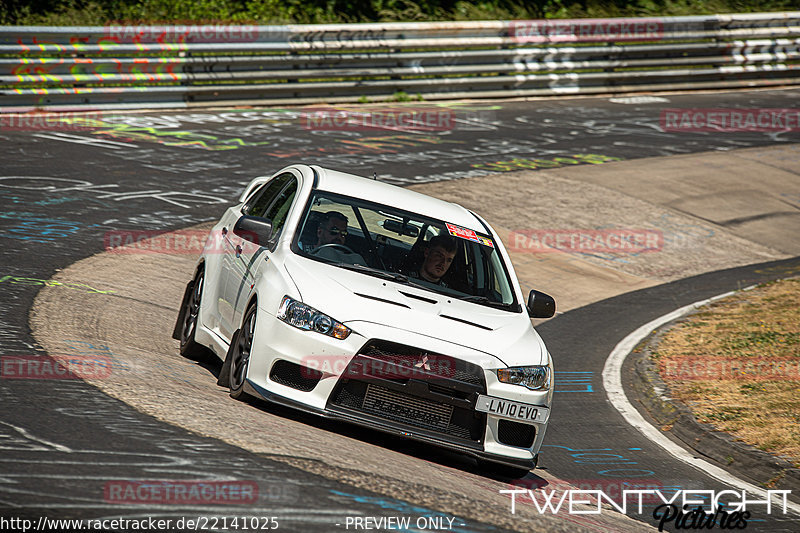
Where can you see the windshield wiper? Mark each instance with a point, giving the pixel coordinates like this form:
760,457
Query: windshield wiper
374,272
483,300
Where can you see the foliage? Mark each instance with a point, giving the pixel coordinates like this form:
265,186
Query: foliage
99,12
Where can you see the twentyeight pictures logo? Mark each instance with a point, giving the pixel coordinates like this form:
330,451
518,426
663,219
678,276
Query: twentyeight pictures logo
681,509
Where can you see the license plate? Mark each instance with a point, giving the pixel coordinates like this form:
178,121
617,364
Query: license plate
408,409
512,410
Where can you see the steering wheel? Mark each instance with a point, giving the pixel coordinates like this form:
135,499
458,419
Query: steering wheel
334,246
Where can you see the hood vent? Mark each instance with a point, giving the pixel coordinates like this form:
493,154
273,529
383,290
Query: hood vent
466,322
417,297
382,300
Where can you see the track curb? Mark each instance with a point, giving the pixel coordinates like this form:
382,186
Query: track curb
650,394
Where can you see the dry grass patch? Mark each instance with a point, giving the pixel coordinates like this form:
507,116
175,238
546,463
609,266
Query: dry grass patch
736,364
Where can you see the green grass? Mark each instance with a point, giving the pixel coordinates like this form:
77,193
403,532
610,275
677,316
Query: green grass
749,388
725,414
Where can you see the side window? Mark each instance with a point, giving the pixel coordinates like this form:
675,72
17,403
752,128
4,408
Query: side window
280,208
260,201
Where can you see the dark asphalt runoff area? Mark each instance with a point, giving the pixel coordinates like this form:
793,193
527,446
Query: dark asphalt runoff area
64,186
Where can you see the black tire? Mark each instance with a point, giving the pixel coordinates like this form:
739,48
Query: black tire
242,344
188,327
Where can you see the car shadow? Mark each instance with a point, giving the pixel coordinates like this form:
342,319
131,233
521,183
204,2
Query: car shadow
409,447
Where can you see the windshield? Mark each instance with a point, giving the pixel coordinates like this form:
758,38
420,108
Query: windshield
385,242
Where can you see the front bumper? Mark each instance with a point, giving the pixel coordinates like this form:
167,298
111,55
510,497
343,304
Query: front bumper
423,406
392,429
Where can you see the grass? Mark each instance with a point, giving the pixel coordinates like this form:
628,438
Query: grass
402,96
736,364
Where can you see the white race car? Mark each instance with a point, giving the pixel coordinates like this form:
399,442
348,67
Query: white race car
369,303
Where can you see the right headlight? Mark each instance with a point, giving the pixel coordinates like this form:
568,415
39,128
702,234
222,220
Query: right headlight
535,377
307,318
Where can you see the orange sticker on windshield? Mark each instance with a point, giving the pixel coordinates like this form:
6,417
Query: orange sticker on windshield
468,234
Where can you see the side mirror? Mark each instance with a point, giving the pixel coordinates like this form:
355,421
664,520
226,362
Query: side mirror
541,305
254,229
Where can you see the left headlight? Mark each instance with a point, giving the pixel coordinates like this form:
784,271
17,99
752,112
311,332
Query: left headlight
533,377
307,318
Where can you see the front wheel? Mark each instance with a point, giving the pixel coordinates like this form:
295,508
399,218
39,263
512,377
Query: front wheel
240,355
191,313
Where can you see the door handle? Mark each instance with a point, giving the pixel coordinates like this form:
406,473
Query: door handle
238,250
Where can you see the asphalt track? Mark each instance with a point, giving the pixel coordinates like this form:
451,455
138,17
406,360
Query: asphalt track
62,190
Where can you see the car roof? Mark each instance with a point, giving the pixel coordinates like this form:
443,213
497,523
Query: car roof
398,197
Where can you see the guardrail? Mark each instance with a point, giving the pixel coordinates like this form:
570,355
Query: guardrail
123,66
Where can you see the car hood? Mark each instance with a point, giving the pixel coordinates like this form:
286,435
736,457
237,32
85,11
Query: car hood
349,297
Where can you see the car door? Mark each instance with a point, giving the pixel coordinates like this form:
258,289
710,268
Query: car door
273,204
218,271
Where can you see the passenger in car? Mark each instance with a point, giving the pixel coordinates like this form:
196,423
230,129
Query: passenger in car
437,258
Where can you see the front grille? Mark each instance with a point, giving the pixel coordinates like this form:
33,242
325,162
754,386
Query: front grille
413,389
295,376
515,434
409,410
439,365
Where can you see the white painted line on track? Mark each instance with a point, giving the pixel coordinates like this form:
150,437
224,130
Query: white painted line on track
27,435
612,382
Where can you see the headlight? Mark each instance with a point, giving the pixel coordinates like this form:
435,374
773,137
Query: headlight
307,318
533,377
